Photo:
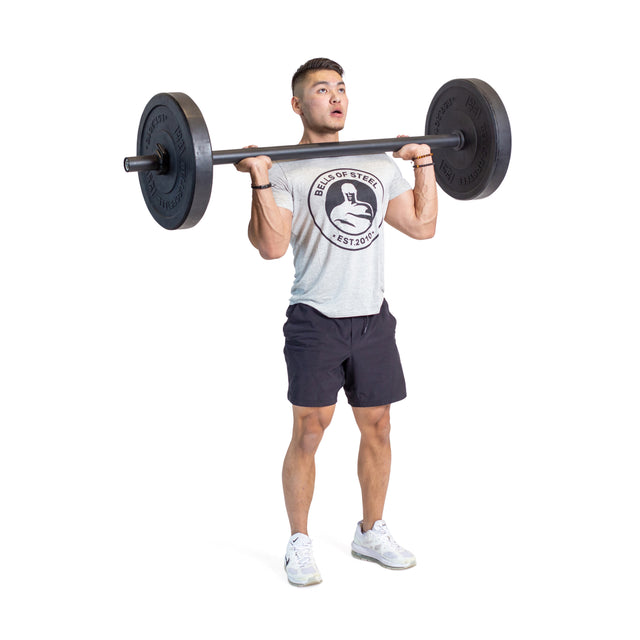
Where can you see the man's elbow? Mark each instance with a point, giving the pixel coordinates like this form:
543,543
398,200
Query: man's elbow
271,253
271,250
268,250
426,232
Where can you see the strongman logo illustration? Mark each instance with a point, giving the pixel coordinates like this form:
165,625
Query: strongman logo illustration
344,205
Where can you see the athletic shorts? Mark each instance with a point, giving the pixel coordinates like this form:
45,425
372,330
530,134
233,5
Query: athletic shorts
358,354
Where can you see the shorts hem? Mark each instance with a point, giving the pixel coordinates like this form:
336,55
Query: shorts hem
370,403
316,404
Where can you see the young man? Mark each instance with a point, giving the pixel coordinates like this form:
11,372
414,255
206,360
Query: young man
339,331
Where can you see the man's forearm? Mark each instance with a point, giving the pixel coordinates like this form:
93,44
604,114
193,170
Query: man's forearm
425,192
268,229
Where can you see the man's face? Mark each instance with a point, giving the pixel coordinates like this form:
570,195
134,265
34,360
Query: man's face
321,101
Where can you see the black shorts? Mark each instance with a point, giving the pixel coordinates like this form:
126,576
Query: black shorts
326,354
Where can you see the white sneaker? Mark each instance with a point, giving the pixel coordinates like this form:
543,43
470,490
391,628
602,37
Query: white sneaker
299,563
378,545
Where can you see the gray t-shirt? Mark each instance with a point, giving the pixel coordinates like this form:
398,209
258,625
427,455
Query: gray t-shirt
337,237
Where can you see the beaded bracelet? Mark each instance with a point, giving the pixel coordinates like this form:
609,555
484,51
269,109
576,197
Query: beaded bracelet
417,166
261,186
426,155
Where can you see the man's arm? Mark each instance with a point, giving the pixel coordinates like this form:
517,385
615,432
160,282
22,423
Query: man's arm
415,212
270,225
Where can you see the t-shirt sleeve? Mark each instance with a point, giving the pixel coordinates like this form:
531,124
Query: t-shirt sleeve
282,192
398,182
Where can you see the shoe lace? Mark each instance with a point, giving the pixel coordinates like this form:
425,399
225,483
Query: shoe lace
386,539
303,553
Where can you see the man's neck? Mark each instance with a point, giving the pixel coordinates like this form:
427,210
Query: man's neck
313,137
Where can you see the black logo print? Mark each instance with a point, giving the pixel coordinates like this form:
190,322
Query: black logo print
344,204
351,215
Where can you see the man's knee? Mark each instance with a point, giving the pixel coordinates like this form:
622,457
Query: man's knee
309,424
374,422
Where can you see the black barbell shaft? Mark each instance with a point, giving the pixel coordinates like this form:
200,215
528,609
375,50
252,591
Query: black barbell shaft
317,150
329,149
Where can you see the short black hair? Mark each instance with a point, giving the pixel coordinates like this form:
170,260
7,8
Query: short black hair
315,64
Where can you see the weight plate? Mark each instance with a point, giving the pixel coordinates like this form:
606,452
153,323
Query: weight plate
178,197
474,108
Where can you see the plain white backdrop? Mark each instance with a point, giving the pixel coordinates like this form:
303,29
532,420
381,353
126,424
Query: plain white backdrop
143,413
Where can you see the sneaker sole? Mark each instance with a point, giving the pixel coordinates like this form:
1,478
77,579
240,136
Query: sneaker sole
361,556
304,584
312,581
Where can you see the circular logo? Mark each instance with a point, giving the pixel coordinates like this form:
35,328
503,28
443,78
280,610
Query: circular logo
344,205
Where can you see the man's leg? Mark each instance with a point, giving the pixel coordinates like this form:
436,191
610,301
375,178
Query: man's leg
372,540
374,460
299,468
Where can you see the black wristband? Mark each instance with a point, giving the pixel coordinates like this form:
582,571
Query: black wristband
261,186
417,166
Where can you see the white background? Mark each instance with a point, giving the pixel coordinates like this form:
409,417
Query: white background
143,408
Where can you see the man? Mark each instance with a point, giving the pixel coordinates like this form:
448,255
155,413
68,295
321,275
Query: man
339,331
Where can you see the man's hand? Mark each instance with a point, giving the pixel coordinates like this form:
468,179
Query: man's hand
411,151
258,164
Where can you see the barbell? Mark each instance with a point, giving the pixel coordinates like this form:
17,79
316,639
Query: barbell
467,127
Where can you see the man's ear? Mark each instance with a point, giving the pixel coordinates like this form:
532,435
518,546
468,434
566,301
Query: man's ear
296,106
